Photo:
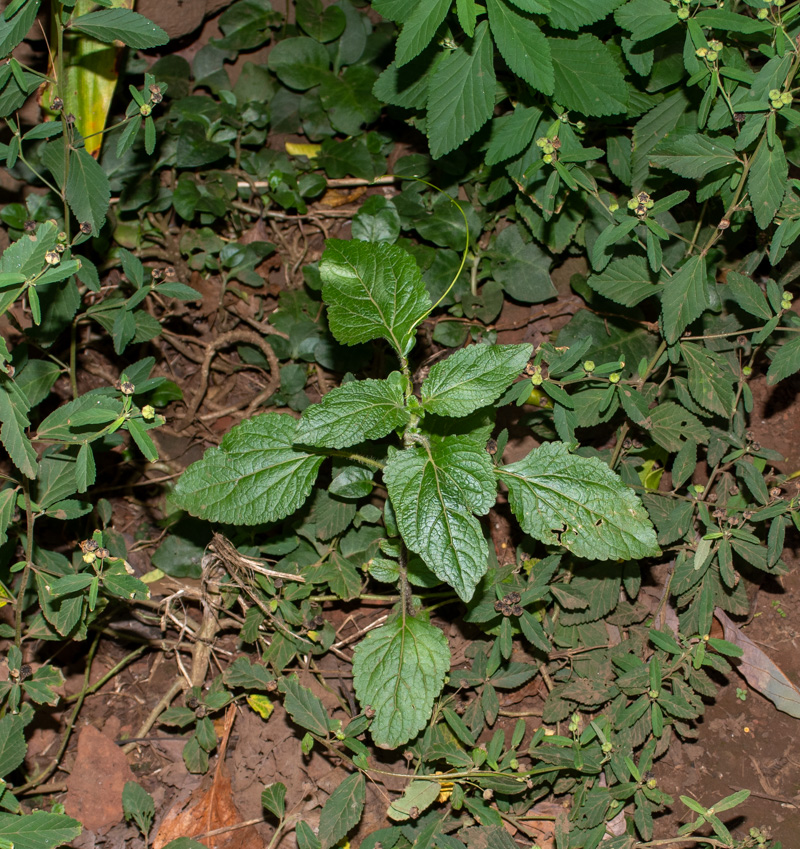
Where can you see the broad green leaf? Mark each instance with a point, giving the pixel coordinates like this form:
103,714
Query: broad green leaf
250,676
748,295
461,93
348,99
726,21
354,412
435,489
467,13
521,267
419,28
646,18
142,439
522,44
673,112
273,798
14,417
372,291
473,377
786,361
512,133
533,6
303,706
26,255
574,14
38,830
85,469
8,500
138,806
625,281
342,810
418,796
754,480
12,743
684,297
131,28
710,382
578,502
670,424
398,671
255,475
299,63
693,155
766,183
322,24
88,190
601,92
13,31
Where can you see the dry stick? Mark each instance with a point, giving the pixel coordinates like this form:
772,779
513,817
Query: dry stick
332,183
152,718
223,341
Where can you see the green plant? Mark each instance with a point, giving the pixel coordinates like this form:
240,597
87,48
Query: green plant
666,170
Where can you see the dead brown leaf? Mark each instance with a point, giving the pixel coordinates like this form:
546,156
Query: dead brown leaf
759,671
210,807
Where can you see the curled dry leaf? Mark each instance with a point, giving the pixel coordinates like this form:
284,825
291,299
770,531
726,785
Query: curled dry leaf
209,808
759,671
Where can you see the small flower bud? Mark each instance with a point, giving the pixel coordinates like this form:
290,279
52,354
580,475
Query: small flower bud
683,13
774,93
589,365
148,413
712,56
145,109
548,158
701,52
614,377
613,207
127,388
52,258
762,14
86,228
724,223
786,98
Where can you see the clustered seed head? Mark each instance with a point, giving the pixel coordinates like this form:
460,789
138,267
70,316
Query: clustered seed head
509,605
641,203
548,147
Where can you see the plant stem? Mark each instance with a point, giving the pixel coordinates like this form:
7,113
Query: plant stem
110,674
359,458
26,572
73,359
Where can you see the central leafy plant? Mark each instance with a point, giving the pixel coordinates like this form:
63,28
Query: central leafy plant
440,472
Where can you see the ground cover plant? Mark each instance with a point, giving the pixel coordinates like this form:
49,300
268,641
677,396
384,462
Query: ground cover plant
410,173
